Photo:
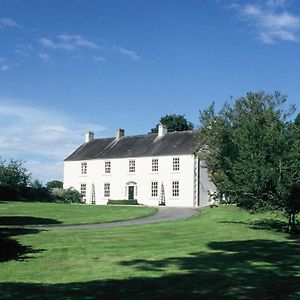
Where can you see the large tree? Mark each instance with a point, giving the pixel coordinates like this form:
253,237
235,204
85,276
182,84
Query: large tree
252,153
14,173
174,123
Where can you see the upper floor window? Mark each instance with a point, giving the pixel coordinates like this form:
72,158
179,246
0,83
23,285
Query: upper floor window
175,163
106,189
175,188
154,189
155,165
84,168
83,191
131,166
107,167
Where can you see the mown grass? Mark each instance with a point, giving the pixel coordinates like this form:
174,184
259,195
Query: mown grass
37,213
223,253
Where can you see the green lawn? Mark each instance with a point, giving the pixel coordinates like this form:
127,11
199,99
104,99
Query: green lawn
223,253
29,213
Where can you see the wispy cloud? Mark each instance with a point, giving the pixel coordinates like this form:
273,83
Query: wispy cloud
99,59
67,42
44,57
24,49
5,65
271,20
129,53
38,135
6,22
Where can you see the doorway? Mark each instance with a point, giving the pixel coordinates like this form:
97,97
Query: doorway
130,192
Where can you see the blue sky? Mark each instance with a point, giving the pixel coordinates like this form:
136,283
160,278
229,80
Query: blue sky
68,66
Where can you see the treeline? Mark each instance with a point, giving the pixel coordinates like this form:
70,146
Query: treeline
16,185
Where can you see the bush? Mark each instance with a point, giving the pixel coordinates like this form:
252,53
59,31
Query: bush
122,202
71,196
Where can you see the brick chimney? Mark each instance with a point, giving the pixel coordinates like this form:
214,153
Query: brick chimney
89,136
120,133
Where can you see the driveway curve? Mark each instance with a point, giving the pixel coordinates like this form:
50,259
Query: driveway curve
164,214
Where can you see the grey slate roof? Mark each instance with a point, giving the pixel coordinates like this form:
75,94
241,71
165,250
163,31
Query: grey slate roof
172,143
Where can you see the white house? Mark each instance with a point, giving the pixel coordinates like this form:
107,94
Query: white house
156,168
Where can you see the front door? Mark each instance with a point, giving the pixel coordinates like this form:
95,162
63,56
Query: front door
131,192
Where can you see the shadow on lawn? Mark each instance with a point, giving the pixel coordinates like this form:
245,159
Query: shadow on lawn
11,249
268,224
261,269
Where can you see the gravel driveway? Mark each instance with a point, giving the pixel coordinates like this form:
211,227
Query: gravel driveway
163,214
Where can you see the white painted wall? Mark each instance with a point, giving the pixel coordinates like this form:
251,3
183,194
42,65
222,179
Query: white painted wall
143,176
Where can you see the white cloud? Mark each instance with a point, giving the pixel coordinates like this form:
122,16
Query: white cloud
6,22
129,53
42,137
272,21
67,42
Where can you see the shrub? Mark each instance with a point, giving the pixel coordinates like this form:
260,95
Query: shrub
122,202
71,196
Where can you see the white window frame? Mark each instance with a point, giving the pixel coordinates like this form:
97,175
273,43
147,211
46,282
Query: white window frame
154,164
107,167
175,188
84,168
106,189
176,163
83,191
131,166
154,188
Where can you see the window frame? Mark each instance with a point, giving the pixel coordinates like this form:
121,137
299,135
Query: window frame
83,191
176,163
107,167
175,188
83,168
154,165
106,189
154,189
131,166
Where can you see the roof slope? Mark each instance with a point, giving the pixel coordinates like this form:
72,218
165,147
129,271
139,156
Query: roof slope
172,143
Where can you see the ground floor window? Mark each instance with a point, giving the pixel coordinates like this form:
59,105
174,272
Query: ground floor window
154,189
106,189
83,191
175,188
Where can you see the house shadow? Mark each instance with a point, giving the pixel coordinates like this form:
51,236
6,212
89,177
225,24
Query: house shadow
11,226
262,269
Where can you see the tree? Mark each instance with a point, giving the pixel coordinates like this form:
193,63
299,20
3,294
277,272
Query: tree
174,123
252,153
54,184
14,173
297,120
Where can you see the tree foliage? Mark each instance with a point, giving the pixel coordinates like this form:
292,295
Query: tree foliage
14,173
253,152
174,123
54,184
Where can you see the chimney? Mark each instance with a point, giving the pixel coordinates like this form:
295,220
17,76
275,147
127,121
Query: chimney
89,136
120,133
162,130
